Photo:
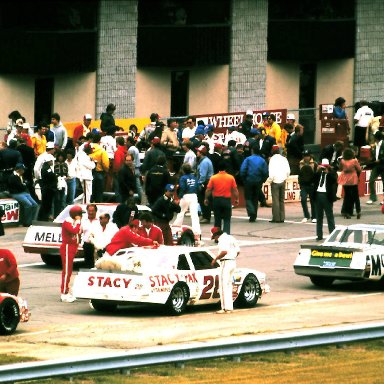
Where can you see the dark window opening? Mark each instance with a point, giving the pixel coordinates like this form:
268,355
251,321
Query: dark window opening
43,100
179,93
201,260
182,264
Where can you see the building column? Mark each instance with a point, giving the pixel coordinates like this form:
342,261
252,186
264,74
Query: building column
249,47
369,57
116,73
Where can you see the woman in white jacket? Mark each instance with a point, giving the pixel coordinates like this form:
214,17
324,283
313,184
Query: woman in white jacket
84,172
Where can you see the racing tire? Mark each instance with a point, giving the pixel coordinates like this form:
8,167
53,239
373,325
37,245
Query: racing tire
177,300
9,316
103,305
187,239
51,260
322,281
249,293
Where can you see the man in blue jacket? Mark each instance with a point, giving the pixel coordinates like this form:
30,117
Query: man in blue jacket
253,171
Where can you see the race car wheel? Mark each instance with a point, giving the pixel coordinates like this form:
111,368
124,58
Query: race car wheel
187,239
178,299
322,281
9,316
51,260
249,294
103,305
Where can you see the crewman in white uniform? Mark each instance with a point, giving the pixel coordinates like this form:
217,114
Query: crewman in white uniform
228,251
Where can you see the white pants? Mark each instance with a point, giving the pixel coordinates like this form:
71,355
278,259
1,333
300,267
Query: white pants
87,190
226,273
189,200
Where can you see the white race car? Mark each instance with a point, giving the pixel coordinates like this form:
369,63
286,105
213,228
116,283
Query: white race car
354,252
172,276
44,238
12,310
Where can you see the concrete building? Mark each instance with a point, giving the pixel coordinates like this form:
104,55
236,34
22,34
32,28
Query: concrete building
179,57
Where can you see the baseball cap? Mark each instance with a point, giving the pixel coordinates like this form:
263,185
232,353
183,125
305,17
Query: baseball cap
232,128
87,116
275,147
208,128
265,115
19,166
202,149
155,140
50,145
291,116
169,187
215,231
306,152
325,163
200,130
249,112
254,131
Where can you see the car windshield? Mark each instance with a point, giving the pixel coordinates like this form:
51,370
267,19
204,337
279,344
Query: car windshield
357,236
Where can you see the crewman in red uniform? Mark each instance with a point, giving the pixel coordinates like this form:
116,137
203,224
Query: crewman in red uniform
9,274
70,234
127,237
149,230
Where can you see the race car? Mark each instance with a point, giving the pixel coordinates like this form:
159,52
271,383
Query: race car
174,277
354,252
44,237
12,310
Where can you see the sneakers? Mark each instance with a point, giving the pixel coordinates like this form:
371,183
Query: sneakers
370,202
314,221
304,220
224,311
67,298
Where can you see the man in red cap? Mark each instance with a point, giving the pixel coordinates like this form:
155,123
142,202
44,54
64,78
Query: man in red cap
228,251
70,232
127,237
9,274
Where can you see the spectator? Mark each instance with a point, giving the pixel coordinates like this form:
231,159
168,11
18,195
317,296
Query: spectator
294,147
306,179
13,117
41,159
19,191
100,157
265,123
216,157
89,226
339,108
134,152
349,179
143,140
102,234
325,184
362,118
234,134
279,171
9,274
189,130
169,137
107,119
118,162
163,210
274,130
152,155
71,180
150,230
60,132
247,123
48,185
377,154
265,143
190,156
61,172
82,129
125,213
10,156
222,187
127,179
188,188
85,172
333,153
156,180
254,172
210,139
39,142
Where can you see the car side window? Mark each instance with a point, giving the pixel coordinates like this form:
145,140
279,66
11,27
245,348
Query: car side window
201,260
182,264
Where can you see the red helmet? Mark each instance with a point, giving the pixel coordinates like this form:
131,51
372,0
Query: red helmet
76,210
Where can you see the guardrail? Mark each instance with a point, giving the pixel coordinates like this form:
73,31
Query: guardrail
187,352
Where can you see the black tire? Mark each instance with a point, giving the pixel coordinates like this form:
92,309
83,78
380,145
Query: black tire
177,300
103,305
51,260
322,281
187,238
9,316
249,294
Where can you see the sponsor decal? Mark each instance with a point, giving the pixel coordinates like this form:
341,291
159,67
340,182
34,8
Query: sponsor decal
169,280
11,209
331,254
106,281
48,237
377,265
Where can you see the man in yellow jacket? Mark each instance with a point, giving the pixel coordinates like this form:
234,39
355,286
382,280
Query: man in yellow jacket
100,157
274,130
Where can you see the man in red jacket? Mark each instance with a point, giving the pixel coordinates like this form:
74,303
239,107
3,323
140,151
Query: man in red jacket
70,235
9,274
149,230
127,237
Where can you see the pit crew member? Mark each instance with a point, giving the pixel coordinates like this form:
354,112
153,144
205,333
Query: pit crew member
9,274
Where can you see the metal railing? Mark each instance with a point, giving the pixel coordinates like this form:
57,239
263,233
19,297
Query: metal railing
192,351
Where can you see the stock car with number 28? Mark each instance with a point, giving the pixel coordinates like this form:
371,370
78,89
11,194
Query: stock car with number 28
44,238
354,252
174,277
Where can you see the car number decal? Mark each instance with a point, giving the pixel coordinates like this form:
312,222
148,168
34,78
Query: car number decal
209,283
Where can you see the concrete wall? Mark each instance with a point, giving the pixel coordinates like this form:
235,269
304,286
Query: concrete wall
208,90
116,74
17,93
153,92
75,95
369,57
247,77
282,85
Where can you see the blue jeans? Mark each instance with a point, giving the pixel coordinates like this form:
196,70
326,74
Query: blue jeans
252,194
222,212
98,187
305,192
71,190
29,206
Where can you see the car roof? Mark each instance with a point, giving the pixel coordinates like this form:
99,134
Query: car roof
363,227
